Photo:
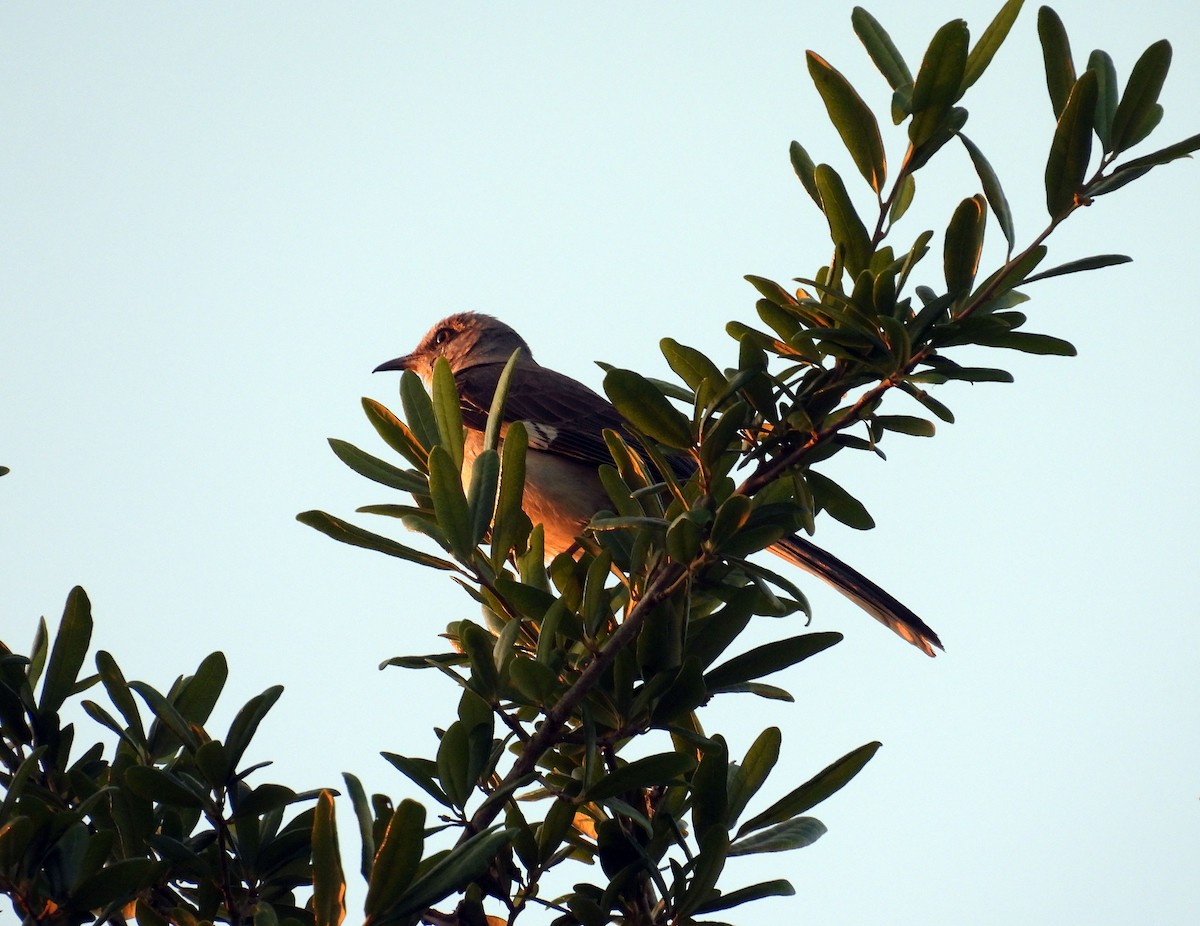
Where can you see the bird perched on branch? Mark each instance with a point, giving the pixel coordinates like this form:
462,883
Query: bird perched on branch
565,421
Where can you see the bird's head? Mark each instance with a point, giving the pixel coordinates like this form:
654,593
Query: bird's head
465,340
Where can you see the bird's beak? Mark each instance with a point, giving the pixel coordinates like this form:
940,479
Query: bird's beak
400,363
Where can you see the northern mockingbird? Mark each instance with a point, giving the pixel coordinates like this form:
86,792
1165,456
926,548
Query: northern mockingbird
565,420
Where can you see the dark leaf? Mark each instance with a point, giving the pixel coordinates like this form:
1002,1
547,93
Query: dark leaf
963,245
989,43
397,860
791,834
376,469
880,47
1056,54
1107,94
826,782
69,650
779,888
1071,149
1140,98
355,536
839,503
853,120
993,191
768,658
845,227
803,165
396,433
446,411
328,880
660,769
939,81
1085,263
647,409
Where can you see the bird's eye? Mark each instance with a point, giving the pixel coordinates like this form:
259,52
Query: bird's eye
443,335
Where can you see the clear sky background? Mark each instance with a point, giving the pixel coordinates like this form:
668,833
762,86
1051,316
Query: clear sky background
218,218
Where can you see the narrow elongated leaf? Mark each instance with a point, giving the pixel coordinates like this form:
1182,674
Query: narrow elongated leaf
395,433
481,499
1147,124
853,120
161,786
881,48
1107,95
963,245
1138,167
660,769
199,694
1056,54
906,424
1030,343
903,199
1071,149
694,368
418,409
329,882
511,524
791,834
491,436
168,717
449,502
767,659
355,536
446,411
939,81
245,724
118,692
828,781
1084,263
397,859
760,759
1140,98
989,43
993,191
366,823
69,650
647,409
845,227
839,503
778,888
377,470
710,862
456,869
803,165
420,772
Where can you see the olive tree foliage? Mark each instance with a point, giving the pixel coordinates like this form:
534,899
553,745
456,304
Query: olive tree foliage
579,734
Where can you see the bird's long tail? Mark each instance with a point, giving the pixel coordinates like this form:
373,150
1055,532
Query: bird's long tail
859,589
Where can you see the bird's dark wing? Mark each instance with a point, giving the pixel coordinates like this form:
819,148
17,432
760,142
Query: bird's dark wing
562,415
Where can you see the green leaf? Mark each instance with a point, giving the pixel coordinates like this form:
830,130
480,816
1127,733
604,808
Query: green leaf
939,81
826,782
853,120
791,834
903,198
169,717
198,695
1140,98
161,786
989,43
453,760
456,869
1030,343
694,368
366,828
1085,263
69,650
355,536
245,724
418,409
446,411
118,692
1140,166
420,772
839,503
767,659
481,499
906,424
963,245
511,525
116,883
845,227
803,165
328,879
760,759
647,409
710,862
880,47
1056,54
660,769
778,888
1106,95
376,469
15,836
1071,149
397,860
495,420
993,191
396,433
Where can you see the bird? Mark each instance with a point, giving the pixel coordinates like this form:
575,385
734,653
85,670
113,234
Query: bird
565,421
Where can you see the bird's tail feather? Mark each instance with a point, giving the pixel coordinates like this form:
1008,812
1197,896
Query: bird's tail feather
859,589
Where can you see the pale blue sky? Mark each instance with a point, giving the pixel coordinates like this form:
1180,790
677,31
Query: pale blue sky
219,218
